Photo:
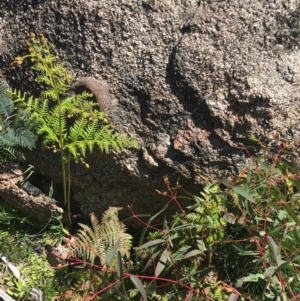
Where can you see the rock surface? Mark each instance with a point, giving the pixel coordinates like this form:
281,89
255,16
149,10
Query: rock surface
190,80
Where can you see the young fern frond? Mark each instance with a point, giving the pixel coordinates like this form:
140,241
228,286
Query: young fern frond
68,123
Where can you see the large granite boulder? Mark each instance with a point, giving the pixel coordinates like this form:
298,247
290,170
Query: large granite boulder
190,80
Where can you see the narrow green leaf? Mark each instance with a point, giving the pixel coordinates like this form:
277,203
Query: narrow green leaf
181,227
249,209
287,246
179,254
230,218
192,254
239,283
265,166
269,271
295,196
238,247
114,287
150,260
283,265
296,234
250,253
138,284
291,168
226,182
161,264
274,250
291,213
253,138
253,277
113,253
201,244
151,243
296,258
241,191
142,237
276,193
210,220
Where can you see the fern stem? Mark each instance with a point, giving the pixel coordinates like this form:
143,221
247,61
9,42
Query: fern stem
69,188
65,158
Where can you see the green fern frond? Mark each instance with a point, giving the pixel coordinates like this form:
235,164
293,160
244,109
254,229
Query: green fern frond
58,120
41,108
6,105
76,131
44,79
14,129
70,124
85,135
48,134
17,136
8,153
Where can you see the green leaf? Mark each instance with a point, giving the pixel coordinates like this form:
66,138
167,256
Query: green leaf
253,278
291,213
274,250
230,218
282,266
296,258
120,266
149,222
210,220
192,254
226,182
289,167
151,243
276,193
241,191
161,264
296,234
113,253
250,253
138,284
150,261
249,209
201,244
269,271
178,228
179,254
238,247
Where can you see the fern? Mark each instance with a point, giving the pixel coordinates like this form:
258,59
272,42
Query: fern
70,125
6,105
15,130
98,241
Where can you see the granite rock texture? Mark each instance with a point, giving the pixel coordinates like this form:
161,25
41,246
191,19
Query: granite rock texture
190,80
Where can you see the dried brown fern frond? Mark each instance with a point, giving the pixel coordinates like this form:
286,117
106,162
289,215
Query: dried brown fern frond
98,241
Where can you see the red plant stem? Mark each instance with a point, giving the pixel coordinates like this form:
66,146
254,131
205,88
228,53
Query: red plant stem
152,278
148,226
174,197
